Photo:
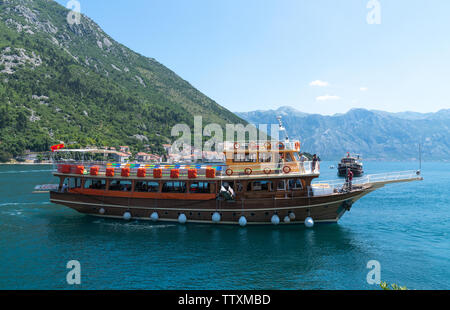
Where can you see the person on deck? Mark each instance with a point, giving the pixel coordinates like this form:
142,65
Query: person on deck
303,158
314,163
350,179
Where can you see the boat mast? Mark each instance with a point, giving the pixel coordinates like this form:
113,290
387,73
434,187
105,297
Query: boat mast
420,157
282,128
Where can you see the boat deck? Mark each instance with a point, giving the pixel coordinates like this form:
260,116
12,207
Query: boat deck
374,180
221,171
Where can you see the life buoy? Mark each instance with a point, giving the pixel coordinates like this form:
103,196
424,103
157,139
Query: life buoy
287,169
229,172
281,145
268,145
248,171
237,146
297,145
267,171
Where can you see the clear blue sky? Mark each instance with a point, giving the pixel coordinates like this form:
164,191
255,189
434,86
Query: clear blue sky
260,54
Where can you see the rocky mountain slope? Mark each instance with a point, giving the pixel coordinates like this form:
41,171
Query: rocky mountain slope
374,134
74,83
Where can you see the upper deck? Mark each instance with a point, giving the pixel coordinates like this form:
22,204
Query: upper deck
244,160
265,146
165,171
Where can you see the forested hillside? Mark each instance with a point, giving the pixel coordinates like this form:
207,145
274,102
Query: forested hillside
74,83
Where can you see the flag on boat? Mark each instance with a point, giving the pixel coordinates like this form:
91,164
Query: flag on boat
57,147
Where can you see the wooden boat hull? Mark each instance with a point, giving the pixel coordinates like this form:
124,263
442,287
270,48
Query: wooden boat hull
323,209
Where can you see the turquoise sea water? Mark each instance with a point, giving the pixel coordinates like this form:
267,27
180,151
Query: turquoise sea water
404,226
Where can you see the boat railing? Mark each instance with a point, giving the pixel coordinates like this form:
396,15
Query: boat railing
388,177
287,168
261,146
334,186
221,170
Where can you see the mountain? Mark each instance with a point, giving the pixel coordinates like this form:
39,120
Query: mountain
74,83
442,114
374,134
285,112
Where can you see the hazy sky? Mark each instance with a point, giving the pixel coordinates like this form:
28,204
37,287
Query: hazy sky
319,56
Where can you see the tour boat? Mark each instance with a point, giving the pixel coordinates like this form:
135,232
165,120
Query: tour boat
352,163
258,183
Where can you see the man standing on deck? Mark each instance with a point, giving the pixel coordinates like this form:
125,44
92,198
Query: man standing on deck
314,163
350,179
303,158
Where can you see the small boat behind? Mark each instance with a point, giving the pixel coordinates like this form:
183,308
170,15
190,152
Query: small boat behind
352,163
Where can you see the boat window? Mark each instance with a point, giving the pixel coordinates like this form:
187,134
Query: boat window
174,187
75,183
282,185
297,156
120,186
238,157
259,186
295,184
239,187
246,158
147,187
265,157
288,157
200,187
95,184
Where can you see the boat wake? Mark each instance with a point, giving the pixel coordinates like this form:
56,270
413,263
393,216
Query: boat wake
25,171
12,204
133,225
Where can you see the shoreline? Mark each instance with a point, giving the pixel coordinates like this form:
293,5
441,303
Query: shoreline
25,164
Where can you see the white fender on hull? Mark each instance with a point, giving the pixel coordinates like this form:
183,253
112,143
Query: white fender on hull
182,219
275,219
127,216
154,217
243,221
216,217
309,222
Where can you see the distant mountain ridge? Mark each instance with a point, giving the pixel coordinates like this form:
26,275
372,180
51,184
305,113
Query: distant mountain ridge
74,83
374,134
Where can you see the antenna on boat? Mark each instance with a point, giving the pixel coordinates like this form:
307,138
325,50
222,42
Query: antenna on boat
420,158
282,128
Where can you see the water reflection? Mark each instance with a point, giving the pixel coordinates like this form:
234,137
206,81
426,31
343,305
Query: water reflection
37,240
221,257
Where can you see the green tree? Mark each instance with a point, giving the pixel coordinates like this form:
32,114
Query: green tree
393,287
